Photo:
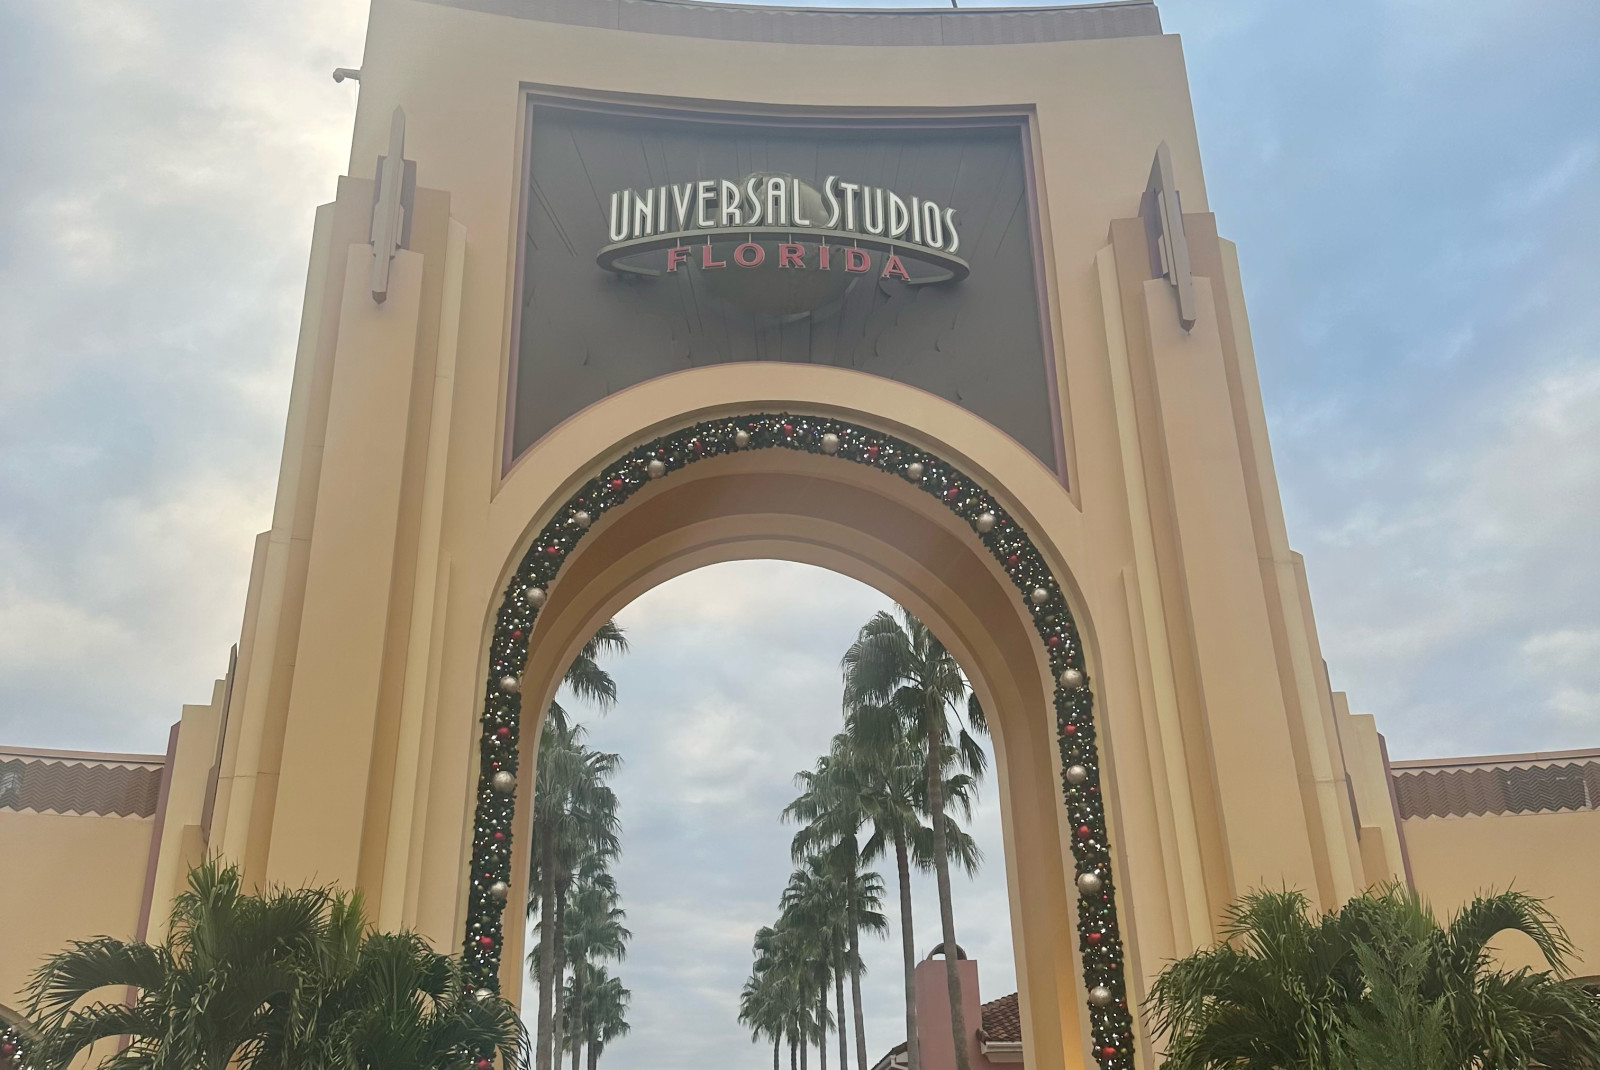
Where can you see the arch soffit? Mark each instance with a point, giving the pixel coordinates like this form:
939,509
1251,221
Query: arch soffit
550,471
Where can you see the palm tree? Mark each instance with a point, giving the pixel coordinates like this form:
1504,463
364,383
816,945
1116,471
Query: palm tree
288,978
586,678
594,931
777,997
762,1008
833,809
605,1008
816,909
588,681
1378,983
575,824
901,687
899,680
387,1001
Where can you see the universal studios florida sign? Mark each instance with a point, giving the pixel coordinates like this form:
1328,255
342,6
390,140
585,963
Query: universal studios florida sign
783,223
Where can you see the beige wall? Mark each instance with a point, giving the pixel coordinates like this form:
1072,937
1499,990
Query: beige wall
1552,855
78,876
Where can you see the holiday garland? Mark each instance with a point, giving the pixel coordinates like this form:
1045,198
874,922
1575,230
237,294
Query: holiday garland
13,1049
1099,937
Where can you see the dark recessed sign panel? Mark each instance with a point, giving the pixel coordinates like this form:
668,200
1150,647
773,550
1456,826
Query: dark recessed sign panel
657,241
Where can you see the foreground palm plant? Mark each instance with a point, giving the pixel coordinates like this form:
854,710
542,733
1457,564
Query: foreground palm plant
286,979
1378,985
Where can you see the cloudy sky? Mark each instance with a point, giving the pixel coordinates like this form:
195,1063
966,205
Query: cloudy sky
1415,189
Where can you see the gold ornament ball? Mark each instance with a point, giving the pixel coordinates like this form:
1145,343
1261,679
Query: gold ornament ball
483,995
1077,774
741,438
1039,596
582,519
1072,678
985,522
535,596
1090,884
830,443
1100,996
510,684
656,468
504,782
499,890
914,471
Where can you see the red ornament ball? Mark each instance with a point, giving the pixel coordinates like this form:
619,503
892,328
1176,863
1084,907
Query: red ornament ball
697,447
516,633
616,484
1071,730
503,732
483,1064
1053,641
552,551
952,493
1012,559
1094,939
872,453
485,941
1108,1052
788,429
1084,832
499,836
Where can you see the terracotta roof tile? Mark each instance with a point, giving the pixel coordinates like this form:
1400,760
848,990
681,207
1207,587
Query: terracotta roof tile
1002,1020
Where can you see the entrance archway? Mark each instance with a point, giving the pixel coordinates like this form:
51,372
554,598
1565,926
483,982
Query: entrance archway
833,489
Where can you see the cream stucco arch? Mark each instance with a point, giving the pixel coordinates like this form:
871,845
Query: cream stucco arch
853,519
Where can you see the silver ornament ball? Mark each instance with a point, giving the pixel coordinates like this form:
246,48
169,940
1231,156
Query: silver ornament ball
582,519
483,995
1039,596
985,522
535,596
1077,774
830,443
499,890
741,438
510,684
1072,678
504,782
1090,884
914,471
1100,996
656,468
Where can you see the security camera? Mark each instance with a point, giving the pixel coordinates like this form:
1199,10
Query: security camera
341,73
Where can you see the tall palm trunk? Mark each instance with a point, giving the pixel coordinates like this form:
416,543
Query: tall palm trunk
854,952
547,948
838,1002
559,968
941,869
792,1064
822,1026
591,1046
805,1049
775,1044
580,1025
908,951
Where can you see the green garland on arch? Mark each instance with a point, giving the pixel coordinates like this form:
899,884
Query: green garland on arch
1099,935
13,1049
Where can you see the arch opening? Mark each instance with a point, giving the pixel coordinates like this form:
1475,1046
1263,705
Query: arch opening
872,507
